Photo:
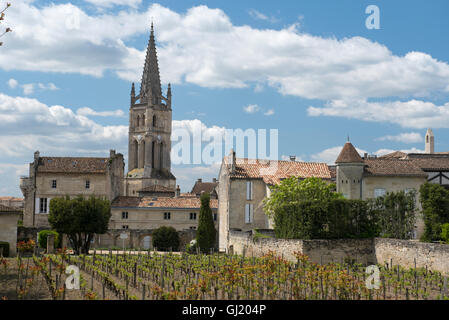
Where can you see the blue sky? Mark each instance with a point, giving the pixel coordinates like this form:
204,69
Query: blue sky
310,69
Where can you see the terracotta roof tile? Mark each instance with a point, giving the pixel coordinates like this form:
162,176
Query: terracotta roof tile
157,188
348,154
273,171
162,202
396,155
72,165
392,167
430,162
204,186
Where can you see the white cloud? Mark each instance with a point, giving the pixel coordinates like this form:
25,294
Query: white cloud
260,16
411,137
269,112
203,47
110,3
410,114
252,108
28,88
49,86
186,176
90,112
331,154
12,83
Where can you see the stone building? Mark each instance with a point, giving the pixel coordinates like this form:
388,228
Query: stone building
150,125
243,184
51,177
12,202
9,217
181,213
209,187
370,176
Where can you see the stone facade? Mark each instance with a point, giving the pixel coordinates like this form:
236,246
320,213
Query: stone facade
8,227
51,177
365,251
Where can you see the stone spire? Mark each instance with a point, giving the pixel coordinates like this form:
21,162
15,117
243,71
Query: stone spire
133,94
150,88
430,142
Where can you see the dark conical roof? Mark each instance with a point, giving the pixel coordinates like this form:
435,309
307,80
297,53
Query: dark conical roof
348,154
151,82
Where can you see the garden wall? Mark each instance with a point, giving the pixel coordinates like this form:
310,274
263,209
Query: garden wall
365,251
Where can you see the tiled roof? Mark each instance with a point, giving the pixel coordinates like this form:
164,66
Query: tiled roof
396,155
204,186
162,202
348,154
392,167
10,199
273,171
72,165
428,161
9,209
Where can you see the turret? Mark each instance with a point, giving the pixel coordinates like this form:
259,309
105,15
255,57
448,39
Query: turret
169,96
350,167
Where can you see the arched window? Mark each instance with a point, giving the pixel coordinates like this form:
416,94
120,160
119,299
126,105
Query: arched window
427,139
143,120
153,148
161,156
154,121
138,121
136,154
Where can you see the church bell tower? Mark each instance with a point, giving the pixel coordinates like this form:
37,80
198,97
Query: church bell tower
150,123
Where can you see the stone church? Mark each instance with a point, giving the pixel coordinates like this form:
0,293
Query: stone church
144,199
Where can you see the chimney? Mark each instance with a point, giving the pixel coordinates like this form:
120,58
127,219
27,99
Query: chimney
292,158
365,155
178,191
232,160
200,180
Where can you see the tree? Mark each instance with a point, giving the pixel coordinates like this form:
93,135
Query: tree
295,190
79,219
435,203
2,17
206,233
42,238
166,238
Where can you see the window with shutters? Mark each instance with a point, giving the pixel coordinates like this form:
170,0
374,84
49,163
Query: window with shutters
249,190
249,212
43,205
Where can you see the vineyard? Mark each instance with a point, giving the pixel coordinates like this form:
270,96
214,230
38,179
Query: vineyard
155,276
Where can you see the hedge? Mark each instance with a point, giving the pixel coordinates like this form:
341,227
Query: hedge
5,246
42,238
390,216
166,238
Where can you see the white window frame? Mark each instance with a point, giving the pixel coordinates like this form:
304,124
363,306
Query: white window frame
42,202
55,183
249,190
379,192
249,213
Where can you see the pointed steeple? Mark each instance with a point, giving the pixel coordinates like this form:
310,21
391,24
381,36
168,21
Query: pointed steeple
133,94
150,87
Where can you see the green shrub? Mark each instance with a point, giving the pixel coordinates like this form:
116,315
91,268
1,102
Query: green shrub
42,238
445,232
191,247
5,246
166,238
206,233
435,203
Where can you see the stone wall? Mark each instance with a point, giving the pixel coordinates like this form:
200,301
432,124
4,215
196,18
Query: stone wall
365,251
8,230
403,252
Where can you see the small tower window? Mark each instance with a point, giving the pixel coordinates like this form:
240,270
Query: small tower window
138,121
154,121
